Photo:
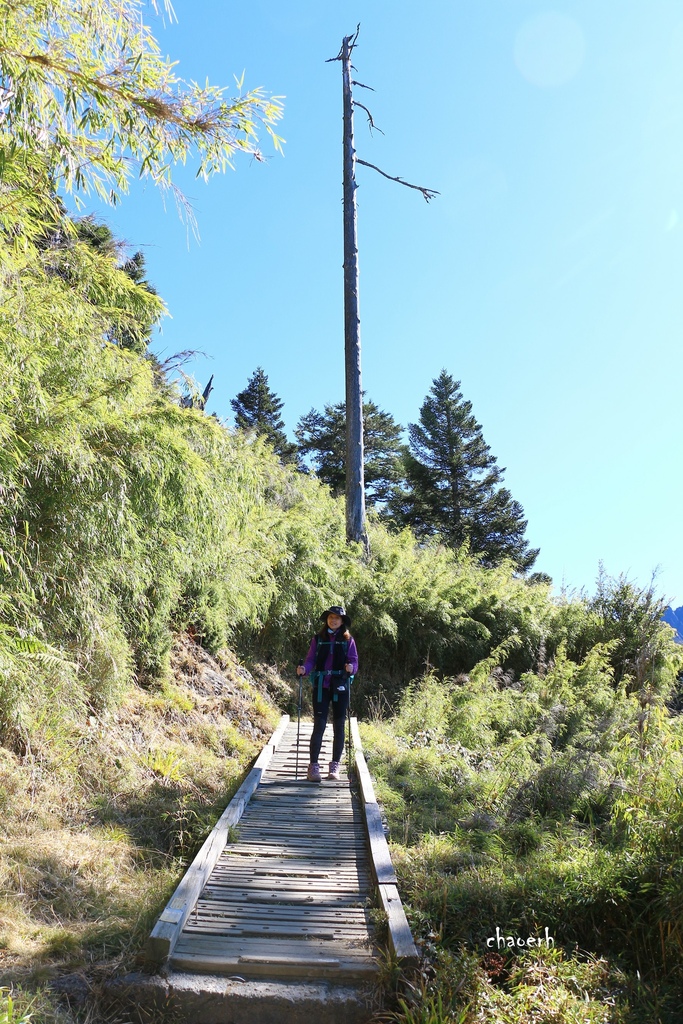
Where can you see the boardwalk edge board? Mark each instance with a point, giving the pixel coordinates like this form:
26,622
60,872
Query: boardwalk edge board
400,937
172,919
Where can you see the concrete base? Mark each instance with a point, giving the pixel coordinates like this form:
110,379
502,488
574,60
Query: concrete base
207,999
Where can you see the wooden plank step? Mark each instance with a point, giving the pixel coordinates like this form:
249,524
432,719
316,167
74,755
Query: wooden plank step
327,840
247,876
275,967
300,810
325,837
357,928
318,804
266,931
228,946
286,888
276,930
309,825
292,898
272,924
240,911
277,850
251,920
324,863
323,831
284,872
321,824
278,853
284,884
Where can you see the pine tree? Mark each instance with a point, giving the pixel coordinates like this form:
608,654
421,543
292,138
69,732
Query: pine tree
258,408
322,437
455,485
59,239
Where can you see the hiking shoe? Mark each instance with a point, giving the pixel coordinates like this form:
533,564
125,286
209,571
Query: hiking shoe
333,772
313,773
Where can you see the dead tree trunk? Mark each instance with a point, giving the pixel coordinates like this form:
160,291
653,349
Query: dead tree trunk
356,529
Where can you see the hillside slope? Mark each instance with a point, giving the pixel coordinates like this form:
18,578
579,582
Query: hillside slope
99,817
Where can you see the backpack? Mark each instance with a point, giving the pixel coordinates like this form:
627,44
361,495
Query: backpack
318,675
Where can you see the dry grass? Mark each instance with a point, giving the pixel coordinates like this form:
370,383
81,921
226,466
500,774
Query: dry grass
99,816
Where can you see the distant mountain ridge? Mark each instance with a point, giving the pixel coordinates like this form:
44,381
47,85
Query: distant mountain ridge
674,617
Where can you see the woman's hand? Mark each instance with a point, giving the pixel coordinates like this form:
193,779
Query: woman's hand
300,670
348,668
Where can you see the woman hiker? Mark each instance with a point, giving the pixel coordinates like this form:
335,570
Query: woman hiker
331,659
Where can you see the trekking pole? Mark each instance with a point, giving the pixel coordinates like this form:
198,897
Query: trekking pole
298,723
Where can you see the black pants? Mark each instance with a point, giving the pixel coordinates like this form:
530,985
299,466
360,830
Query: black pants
320,712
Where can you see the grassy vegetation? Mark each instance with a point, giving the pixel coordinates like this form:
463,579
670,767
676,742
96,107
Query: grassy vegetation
551,801
100,813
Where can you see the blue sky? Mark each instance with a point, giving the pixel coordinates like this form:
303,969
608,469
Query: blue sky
547,276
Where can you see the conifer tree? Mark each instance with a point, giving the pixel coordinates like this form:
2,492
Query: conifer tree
322,437
454,485
99,236
258,408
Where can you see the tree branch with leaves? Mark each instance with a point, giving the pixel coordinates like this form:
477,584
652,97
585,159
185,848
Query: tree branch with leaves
86,95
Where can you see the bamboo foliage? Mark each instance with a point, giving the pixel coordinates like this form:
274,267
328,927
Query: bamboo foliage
84,87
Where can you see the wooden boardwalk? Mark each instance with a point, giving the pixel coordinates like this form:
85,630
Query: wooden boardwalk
286,884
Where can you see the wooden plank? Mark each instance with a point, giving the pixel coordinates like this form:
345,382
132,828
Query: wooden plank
263,923
298,960
277,850
265,897
171,920
359,927
308,829
218,894
249,876
277,929
251,919
316,804
274,925
400,937
380,857
233,855
238,867
322,827
382,867
268,931
306,948
297,814
242,863
296,885
296,846
328,840
364,779
357,969
241,856
238,910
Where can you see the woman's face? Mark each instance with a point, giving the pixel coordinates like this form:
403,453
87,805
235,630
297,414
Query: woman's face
334,621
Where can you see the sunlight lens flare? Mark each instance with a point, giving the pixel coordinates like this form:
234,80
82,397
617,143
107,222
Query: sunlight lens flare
549,49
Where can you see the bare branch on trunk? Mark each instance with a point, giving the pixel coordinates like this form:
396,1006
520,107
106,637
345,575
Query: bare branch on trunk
371,123
428,193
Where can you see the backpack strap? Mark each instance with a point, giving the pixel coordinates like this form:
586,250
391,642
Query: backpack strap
346,651
318,676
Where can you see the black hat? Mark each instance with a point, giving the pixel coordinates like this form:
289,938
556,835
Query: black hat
336,609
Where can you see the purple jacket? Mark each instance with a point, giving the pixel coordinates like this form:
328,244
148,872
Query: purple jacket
351,659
